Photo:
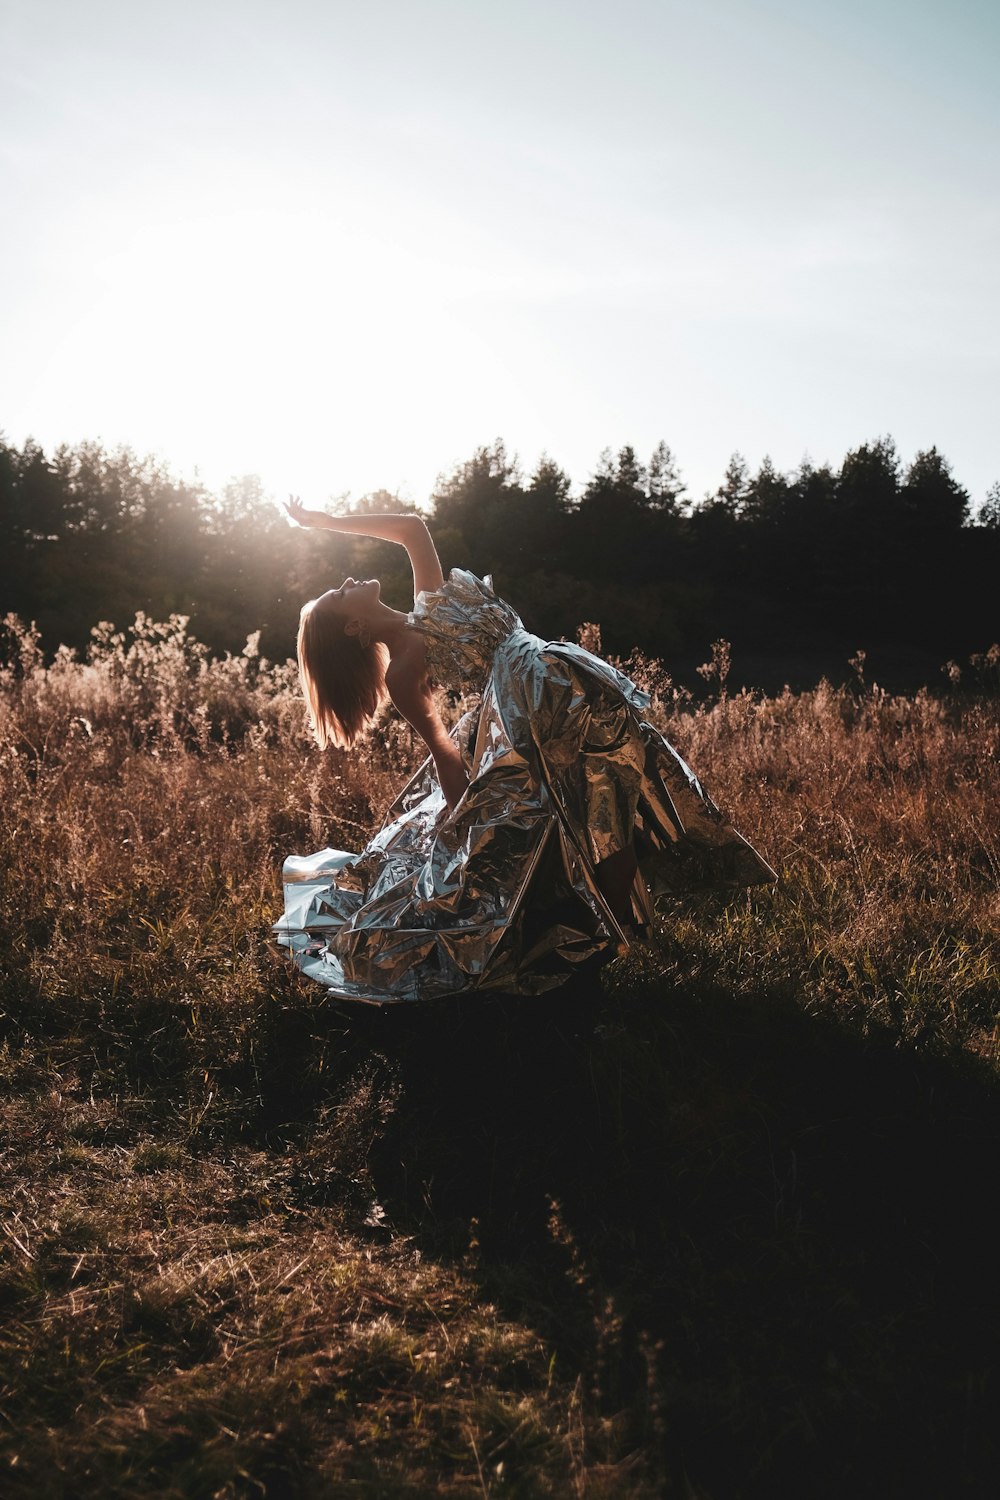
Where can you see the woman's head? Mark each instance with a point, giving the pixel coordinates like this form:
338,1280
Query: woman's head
341,663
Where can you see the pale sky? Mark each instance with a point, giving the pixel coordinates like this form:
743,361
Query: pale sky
341,244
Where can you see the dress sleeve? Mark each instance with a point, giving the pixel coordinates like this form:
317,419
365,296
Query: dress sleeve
462,623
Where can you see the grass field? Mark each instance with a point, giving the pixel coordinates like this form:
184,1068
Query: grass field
717,1223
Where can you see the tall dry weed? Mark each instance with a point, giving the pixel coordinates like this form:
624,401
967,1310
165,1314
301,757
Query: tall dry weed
151,793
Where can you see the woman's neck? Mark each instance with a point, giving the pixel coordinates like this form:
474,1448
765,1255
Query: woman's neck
391,627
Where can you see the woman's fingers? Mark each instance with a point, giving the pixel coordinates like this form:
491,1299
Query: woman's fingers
303,517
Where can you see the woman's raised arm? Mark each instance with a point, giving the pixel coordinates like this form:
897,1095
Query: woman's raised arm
408,530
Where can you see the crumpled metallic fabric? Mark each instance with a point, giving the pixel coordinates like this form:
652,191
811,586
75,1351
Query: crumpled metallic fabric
499,893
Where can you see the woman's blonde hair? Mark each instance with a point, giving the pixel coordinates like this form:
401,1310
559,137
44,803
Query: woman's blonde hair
343,680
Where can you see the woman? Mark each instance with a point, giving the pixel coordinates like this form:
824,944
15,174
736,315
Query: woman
539,828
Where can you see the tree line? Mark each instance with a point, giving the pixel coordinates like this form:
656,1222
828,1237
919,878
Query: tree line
799,570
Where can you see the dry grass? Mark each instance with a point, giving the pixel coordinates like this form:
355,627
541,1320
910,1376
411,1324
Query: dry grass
716,1228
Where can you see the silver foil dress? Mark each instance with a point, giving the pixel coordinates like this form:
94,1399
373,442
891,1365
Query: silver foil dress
499,893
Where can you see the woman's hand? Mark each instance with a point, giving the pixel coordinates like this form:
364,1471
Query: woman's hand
297,512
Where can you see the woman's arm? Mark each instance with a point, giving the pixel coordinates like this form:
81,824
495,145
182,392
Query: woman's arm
408,530
411,693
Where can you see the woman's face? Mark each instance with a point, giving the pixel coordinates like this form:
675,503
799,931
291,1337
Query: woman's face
352,601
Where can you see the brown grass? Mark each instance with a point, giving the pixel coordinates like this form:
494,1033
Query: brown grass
716,1228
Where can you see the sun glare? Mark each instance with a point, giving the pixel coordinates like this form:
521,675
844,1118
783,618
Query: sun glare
312,348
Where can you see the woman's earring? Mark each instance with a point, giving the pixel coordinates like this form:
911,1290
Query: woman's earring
364,637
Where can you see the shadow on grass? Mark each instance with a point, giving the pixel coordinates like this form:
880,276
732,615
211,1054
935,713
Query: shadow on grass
768,1239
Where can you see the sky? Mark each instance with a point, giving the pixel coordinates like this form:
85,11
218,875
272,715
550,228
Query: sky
342,244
